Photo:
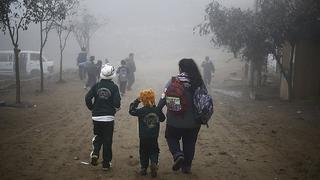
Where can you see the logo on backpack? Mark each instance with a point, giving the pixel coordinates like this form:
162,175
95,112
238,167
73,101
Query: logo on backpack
176,100
203,104
123,74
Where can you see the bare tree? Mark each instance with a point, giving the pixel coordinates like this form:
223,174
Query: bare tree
84,27
46,12
15,15
64,29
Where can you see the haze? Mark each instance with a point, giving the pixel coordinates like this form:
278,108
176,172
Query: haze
153,30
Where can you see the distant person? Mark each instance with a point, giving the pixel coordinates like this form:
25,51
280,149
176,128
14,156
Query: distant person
123,73
91,70
208,70
99,66
181,116
106,61
103,99
149,118
81,61
132,68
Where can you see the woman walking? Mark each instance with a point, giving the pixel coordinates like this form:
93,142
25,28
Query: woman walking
181,124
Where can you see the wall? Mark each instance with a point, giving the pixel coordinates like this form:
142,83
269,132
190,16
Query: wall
306,79
307,70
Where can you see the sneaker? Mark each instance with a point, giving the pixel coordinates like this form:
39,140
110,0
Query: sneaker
154,169
177,163
94,160
143,171
106,166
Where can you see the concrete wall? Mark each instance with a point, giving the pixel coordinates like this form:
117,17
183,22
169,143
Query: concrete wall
306,71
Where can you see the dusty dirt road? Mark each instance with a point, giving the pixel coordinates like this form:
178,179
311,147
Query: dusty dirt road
247,140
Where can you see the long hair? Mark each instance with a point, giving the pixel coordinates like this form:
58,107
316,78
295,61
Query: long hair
189,67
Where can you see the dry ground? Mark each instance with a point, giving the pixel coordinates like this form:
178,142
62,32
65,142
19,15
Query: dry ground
249,140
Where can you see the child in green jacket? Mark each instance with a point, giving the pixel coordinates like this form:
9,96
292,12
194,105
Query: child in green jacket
149,117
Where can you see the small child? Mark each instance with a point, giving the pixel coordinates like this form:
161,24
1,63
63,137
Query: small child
103,99
149,117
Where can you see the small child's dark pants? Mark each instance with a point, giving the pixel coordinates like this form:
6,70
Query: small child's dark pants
103,134
149,150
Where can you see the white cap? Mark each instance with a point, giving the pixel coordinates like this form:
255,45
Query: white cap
107,72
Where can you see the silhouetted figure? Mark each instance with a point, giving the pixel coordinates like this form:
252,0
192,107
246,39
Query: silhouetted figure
106,61
132,69
123,73
91,69
99,66
81,63
208,70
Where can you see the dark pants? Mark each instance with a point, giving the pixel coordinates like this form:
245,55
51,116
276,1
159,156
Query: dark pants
207,78
122,87
82,72
103,133
91,80
189,138
131,80
149,150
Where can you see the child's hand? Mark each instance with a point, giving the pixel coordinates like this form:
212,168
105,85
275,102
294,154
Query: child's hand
137,100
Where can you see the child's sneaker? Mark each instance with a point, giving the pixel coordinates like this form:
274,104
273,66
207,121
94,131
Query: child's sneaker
177,163
106,166
154,169
143,171
94,160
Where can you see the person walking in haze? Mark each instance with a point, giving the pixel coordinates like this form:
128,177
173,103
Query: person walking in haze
123,73
106,61
149,117
91,69
181,118
132,69
81,61
208,70
103,99
99,66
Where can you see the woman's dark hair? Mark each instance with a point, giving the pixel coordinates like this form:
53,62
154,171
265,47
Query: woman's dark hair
123,62
189,67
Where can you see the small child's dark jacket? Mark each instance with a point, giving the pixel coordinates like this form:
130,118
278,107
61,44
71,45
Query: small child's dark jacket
142,113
